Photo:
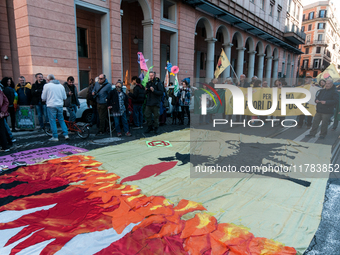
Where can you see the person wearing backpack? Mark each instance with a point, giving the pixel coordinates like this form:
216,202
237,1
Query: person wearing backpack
9,92
184,101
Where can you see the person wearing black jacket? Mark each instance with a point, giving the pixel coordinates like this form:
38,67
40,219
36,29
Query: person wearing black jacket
138,97
327,99
117,101
40,106
9,92
154,92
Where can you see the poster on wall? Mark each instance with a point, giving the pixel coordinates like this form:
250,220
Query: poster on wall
25,118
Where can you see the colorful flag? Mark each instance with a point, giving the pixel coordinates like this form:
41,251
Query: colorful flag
142,62
126,78
146,77
222,64
329,73
176,88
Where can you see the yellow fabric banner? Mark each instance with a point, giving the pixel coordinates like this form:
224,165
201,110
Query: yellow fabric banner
329,73
222,64
262,99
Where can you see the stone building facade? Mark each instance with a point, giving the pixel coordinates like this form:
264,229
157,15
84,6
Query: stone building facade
84,38
322,46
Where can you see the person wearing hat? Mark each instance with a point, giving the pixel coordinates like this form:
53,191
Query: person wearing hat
301,118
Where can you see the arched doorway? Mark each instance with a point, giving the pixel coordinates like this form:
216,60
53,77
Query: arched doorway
223,42
259,60
249,56
204,49
237,54
268,63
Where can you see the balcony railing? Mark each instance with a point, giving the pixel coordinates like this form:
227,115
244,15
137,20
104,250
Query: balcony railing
295,30
317,42
316,17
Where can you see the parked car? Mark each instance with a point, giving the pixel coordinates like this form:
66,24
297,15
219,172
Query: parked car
84,113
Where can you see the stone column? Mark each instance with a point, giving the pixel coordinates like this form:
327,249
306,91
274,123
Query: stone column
251,64
260,66
210,59
269,68
227,50
147,40
240,61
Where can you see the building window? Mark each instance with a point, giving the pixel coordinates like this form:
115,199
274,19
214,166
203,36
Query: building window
319,37
169,10
307,51
315,73
308,38
252,1
298,13
311,15
303,29
271,10
82,42
316,63
322,14
303,17
305,64
262,4
321,25
318,49
278,15
309,27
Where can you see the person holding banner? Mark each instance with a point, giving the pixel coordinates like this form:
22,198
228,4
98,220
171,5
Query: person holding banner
327,99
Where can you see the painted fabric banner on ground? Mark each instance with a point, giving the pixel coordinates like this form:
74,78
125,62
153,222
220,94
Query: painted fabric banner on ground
25,118
213,102
35,156
263,100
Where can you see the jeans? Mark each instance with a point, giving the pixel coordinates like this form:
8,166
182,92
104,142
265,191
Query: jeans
138,115
324,117
42,114
72,111
11,111
149,110
8,129
95,117
125,123
53,114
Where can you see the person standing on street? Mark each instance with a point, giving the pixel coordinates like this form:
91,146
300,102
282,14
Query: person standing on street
326,99
138,97
91,103
10,94
40,106
72,101
23,89
4,137
301,118
54,94
100,92
117,101
154,92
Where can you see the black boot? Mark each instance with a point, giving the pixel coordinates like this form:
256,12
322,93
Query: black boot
150,128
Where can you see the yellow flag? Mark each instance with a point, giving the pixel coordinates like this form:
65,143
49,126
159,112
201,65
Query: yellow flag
222,64
329,73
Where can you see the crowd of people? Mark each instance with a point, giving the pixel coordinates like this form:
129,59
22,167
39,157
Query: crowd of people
136,106
128,108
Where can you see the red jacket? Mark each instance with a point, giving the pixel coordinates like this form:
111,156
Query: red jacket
3,104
